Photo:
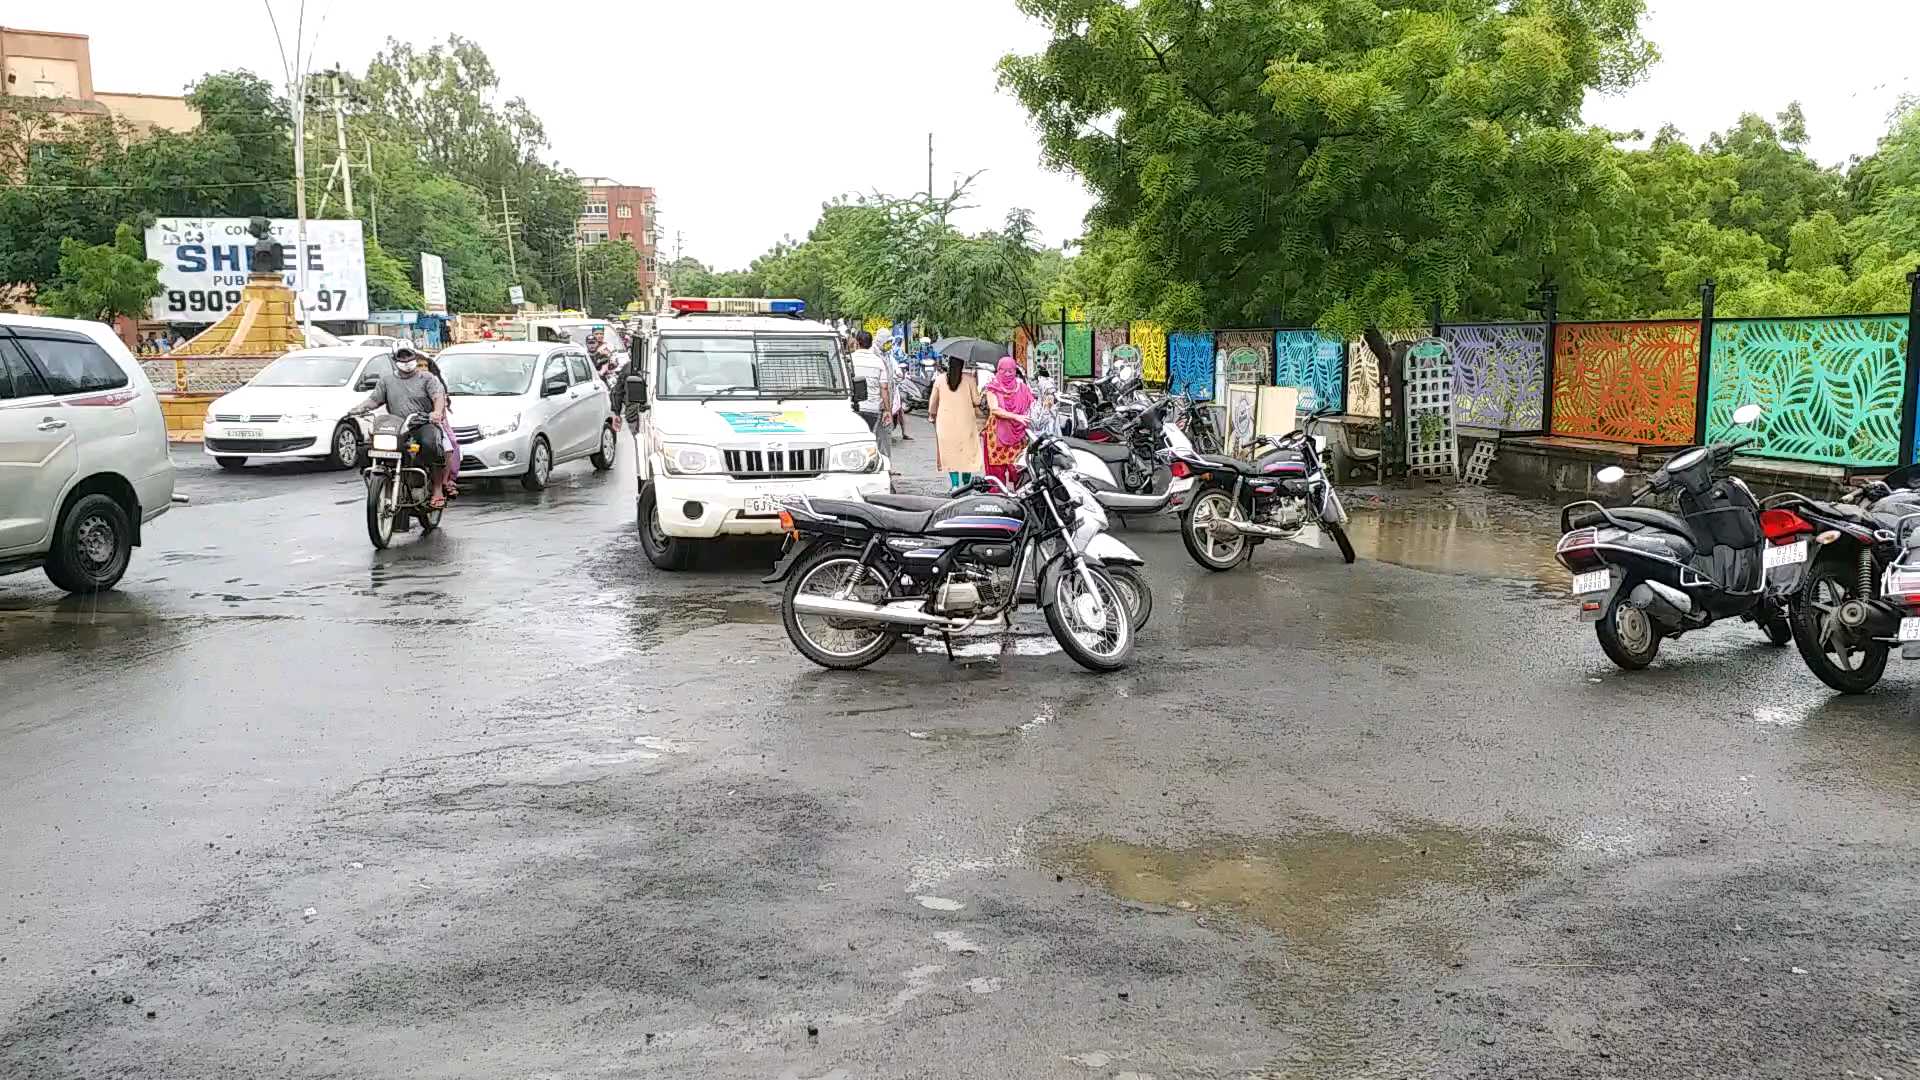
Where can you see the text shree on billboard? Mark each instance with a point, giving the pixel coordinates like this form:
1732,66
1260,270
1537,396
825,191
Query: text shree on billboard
433,282
204,267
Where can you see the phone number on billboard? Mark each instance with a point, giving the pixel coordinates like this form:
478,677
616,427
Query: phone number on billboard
218,300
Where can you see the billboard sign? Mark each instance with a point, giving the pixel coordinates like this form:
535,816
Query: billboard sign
204,267
433,282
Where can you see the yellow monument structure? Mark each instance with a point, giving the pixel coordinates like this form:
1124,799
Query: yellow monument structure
266,321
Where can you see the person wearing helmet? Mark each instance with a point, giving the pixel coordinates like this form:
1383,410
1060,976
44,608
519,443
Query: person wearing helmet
409,388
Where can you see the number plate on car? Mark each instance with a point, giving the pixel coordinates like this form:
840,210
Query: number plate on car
763,506
1785,554
1592,581
244,432
1910,629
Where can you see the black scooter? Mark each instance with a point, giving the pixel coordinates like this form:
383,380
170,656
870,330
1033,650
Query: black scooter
1641,574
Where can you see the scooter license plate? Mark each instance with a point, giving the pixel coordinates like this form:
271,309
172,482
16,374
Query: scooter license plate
1593,581
1910,629
1784,554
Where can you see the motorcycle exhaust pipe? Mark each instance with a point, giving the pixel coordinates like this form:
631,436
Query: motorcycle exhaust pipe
1874,618
1664,602
899,613
1248,528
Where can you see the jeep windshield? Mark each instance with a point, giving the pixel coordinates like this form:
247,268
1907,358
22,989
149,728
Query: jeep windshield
751,366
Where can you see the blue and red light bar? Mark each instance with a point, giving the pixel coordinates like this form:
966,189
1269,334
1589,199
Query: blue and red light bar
737,305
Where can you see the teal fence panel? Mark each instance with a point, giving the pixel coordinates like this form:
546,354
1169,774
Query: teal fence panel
1831,387
1079,351
1313,363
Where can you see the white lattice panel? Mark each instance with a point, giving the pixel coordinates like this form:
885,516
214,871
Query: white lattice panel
1480,462
1433,445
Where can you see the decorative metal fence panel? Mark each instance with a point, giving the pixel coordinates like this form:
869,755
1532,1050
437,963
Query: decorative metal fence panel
1079,351
1190,365
1626,381
1050,332
1313,363
1363,373
201,374
1831,387
1020,347
1151,340
1104,339
1246,356
1499,373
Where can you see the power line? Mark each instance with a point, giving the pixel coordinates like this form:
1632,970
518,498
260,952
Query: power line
142,187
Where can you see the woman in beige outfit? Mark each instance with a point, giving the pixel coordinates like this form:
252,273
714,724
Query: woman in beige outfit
954,408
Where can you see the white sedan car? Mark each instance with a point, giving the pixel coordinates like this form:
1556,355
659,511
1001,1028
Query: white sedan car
521,408
296,407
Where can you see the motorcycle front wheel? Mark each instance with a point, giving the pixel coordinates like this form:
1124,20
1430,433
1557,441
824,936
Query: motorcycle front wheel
1090,620
379,517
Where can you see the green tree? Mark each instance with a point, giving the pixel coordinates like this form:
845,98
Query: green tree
101,281
1340,160
612,272
388,285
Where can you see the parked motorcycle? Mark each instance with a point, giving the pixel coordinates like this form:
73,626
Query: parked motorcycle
1202,429
916,383
1238,505
1089,536
399,485
1641,574
1860,595
1136,473
869,573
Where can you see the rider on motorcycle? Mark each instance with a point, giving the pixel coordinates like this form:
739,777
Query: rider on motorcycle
408,390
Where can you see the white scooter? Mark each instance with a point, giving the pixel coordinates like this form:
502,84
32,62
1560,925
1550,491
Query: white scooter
1136,476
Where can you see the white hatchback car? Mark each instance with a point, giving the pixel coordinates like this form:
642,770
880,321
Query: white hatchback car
296,407
83,452
522,408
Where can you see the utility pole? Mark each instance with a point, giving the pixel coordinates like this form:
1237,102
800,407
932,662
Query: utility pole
580,275
340,138
508,223
295,68
929,169
373,193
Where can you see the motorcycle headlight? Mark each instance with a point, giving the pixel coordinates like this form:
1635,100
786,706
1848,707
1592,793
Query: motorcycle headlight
689,458
856,457
497,430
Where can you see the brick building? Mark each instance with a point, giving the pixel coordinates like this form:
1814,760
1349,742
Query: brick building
613,211
56,69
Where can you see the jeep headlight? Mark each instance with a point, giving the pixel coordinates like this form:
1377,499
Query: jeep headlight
856,457
496,430
688,458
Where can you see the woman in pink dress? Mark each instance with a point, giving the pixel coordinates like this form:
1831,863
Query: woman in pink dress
1008,400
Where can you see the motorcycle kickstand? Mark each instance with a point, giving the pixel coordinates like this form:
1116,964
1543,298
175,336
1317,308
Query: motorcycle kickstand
947,640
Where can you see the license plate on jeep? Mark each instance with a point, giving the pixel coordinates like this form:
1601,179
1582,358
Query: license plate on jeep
762,506
1593,581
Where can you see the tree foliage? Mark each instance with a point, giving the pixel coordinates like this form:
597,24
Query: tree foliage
101,281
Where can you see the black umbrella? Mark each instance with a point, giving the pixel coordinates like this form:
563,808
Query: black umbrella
971,349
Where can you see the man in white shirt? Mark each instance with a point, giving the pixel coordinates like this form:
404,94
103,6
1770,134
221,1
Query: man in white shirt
877,407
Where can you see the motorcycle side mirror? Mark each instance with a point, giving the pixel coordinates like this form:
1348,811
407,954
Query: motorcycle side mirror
859,389
637,391
1612,474
1746,414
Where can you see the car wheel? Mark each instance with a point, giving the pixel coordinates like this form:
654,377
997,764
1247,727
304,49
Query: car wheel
92,545
346,447
232,463
609,451
539,465
663,551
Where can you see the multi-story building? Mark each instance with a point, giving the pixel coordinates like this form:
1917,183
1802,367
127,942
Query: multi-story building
616,212
57,70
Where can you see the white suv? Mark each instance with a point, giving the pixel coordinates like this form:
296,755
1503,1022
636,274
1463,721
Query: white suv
83,452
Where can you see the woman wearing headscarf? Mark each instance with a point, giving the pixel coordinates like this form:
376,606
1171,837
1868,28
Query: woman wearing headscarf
1008,400
954,407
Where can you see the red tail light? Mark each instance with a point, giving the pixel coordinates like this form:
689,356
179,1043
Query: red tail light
1779,525
1180,470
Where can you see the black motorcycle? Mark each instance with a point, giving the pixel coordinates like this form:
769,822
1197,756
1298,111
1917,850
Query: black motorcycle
1641,574
1237,505
1860,595
399,481
866,573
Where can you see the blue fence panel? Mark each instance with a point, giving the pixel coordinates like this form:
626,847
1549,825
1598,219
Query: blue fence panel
1313,363
1190,365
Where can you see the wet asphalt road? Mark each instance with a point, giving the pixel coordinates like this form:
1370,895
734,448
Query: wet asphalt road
507,802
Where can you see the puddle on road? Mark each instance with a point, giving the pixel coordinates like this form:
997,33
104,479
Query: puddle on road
1311,886
1459,531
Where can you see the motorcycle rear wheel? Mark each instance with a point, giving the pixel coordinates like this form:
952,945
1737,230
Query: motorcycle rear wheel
1845,665
1134,591
1207,550
844,645
379,519
1627,634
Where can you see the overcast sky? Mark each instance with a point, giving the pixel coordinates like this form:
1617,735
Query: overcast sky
746,114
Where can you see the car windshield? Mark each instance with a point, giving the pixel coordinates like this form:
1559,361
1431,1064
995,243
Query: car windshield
759,366
487,374
296,369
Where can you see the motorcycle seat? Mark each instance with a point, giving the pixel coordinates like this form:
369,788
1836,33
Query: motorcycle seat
1225,463
1639,519
877,517
1108,452
914,503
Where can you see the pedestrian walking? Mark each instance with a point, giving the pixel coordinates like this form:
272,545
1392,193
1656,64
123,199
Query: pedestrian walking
889,348
1008,400
954,408
877,407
